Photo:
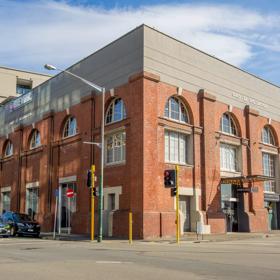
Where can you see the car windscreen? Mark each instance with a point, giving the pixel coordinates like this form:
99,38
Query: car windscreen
21,218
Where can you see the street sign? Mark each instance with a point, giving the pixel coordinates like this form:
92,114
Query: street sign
70,193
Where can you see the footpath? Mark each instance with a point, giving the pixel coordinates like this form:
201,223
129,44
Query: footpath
187,237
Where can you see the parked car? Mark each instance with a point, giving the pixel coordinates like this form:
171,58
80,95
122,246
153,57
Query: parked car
21,224
5,229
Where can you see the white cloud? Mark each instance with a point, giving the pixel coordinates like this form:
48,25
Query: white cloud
34,32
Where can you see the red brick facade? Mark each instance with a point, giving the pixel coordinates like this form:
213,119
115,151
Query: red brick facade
141,175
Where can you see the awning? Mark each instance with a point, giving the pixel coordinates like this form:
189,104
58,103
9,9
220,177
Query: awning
246,179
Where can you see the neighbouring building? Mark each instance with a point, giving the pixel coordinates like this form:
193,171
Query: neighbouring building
167,104
15,82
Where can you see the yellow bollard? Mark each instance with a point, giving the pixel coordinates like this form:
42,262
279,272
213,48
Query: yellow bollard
130,227
92,203
177,207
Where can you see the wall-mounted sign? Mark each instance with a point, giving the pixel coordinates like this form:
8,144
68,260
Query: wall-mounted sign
20,101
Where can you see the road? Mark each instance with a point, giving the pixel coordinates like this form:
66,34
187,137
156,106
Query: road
36,259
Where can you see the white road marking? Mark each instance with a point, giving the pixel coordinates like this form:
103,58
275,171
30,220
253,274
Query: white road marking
112,262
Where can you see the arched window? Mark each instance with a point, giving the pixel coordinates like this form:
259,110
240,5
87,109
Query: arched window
176,110
70,127
116,111
35,140
227,124
267,136
8,149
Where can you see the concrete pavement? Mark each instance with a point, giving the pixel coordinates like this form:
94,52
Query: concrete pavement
27,258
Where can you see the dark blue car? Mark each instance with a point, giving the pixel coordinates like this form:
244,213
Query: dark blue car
21,224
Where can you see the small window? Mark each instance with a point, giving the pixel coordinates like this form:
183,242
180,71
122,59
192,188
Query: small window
115,148
228,158
32,202
35,140
227,124
5,201
267,136
8,149
116,111
269,170
23,89
176,110
70,128
175,147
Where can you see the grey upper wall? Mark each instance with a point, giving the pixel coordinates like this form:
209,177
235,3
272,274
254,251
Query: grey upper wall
146,49
184,66
110,67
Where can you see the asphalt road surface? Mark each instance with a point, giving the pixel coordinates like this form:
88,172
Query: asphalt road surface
36,259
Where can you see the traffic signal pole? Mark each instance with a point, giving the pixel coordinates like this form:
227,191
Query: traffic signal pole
177,207
92,203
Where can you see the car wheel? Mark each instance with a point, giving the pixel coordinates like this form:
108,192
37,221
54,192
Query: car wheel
12,231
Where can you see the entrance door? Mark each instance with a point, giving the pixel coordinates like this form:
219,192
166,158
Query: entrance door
66,207
184,207
108,214
229,205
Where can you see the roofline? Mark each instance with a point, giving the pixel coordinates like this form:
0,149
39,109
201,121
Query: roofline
212,56
25,71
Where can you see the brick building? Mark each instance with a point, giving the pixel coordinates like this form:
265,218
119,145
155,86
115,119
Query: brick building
166,103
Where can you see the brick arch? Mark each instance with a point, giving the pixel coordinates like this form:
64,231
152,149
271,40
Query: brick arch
235,121
186,104
273,131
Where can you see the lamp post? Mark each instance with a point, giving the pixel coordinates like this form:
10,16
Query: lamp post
102,91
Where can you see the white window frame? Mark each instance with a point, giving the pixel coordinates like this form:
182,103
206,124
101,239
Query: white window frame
3,191
168,111
8,149
32,186
232,125
66,128
35,140
270,170
229,158
270,136
112,108
168,144
112,137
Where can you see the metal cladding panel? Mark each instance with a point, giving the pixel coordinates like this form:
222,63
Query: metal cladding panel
184,66
110,67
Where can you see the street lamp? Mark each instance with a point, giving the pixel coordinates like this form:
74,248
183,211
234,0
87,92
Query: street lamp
102,91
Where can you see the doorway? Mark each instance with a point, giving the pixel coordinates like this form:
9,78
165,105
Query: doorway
230,205
66,207
185,216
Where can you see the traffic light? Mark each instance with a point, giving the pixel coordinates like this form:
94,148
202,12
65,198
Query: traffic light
89,179
170,178
173,191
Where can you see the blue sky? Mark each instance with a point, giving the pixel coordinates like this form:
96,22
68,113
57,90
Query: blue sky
244,33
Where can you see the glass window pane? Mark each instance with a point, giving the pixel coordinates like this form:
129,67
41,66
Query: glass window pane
6,201
182,148
32,199
166,148
228,158
174,109
118,110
